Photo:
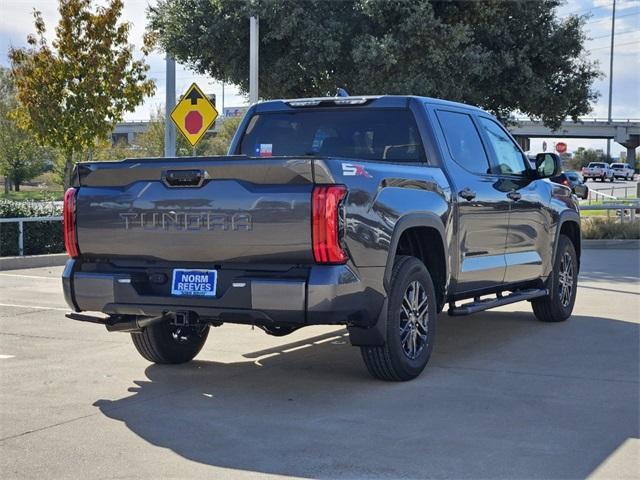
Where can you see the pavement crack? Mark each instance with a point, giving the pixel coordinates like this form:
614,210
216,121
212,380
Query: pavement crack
35,430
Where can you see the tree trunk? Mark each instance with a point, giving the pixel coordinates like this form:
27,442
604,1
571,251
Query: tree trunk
16,185
68,170
7,185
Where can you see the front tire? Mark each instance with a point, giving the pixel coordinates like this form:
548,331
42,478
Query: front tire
563,285
411,324
169,344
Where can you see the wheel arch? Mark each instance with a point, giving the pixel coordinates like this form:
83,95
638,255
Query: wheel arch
569,225
416,234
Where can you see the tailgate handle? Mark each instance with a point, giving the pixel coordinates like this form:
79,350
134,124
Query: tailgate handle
183,178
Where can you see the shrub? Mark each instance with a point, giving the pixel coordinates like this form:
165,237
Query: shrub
39,237
599,228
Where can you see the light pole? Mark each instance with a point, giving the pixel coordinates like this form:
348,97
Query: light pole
254,32
170,103
613,29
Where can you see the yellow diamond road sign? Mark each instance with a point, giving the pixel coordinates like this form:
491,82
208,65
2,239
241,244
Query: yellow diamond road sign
194,114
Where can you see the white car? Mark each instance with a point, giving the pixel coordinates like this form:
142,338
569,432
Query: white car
622,170
597,170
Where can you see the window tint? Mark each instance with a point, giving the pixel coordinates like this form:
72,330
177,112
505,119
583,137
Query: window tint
597,165
508,155
367,134
464,141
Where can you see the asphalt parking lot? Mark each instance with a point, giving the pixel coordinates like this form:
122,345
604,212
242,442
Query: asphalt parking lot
503,397
619,188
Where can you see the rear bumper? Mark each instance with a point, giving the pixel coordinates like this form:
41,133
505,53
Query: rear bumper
325,295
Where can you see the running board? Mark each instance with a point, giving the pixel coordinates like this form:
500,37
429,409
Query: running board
479,305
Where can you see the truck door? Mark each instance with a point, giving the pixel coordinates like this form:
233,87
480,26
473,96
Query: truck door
528,237
482,209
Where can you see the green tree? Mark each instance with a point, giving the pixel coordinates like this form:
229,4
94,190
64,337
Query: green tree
584,156
20,158
505,56
75,90
219,145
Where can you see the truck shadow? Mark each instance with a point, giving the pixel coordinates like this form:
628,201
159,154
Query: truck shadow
504,396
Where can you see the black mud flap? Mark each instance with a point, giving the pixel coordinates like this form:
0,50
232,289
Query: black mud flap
376,335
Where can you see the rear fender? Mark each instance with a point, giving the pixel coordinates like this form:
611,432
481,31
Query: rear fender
377,334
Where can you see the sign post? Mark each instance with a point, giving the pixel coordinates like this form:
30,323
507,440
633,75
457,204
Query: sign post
194,114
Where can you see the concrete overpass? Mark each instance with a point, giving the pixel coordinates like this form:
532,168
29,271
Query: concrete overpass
127,131
625,132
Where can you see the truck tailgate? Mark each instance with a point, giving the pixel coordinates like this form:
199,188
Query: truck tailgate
214,209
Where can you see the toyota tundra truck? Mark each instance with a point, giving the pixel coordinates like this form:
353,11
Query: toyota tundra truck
373,212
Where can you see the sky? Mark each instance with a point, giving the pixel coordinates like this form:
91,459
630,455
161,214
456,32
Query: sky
16,22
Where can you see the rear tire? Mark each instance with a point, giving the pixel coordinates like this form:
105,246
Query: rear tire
411,324
563,285
165,343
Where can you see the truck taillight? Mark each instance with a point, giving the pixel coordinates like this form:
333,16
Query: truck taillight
325,206
69,223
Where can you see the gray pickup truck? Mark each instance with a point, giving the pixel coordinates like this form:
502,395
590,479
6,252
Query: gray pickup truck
369,212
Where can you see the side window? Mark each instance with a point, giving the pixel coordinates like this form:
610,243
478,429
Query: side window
509,157
463,141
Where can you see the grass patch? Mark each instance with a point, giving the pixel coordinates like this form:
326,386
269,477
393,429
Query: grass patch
601,229
36,195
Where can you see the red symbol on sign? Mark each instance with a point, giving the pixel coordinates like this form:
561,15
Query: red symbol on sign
193,122
561,147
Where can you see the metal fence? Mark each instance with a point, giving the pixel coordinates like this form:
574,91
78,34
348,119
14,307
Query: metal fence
629,191
20,221
620,206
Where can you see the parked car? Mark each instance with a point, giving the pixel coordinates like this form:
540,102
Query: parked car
597,171
371,212
622,170
574,181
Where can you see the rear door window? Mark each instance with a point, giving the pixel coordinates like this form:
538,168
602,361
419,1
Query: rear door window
463,141
367,134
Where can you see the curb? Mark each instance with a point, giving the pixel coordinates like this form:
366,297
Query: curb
33,261
611,244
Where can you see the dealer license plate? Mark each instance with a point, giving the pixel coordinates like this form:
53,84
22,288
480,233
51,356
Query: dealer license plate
194,283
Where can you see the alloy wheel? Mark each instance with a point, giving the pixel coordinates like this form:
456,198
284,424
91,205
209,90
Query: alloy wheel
414,316
565,279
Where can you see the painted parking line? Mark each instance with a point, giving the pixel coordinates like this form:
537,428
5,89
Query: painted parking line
36,307
4,357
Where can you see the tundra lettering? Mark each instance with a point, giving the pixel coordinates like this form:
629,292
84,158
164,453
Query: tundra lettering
377,213
186,221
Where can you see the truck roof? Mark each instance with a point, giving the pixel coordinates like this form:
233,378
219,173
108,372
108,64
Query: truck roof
384,101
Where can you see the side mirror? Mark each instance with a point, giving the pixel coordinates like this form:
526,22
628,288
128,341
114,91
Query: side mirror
548,165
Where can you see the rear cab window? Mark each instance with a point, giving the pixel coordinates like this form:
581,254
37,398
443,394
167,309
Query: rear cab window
368,134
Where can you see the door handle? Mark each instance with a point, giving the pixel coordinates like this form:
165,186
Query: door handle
515,196
467,193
